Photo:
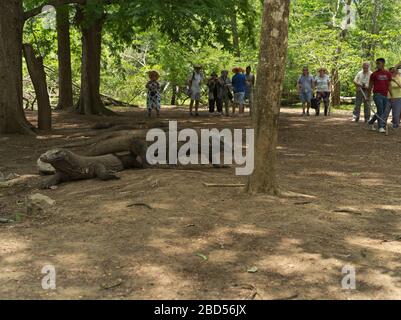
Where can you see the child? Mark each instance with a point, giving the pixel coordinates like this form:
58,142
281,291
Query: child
154,98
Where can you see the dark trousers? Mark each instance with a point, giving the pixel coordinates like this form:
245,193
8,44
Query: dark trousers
213,103
325,96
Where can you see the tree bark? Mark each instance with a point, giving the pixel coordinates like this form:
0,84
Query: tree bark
90,101
174,95
38,76
234,28
371,51
336,96
12,117
272,57
64,59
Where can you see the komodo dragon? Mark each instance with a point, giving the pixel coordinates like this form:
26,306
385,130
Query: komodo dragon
70,166
136,146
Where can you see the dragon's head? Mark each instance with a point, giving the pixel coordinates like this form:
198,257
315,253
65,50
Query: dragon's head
54,155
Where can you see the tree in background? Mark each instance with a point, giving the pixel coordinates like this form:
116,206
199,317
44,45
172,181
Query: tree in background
64,58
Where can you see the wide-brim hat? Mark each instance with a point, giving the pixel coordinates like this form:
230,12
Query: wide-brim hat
322,69
197,66
154,73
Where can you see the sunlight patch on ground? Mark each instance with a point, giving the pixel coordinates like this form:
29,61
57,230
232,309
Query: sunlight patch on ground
375,244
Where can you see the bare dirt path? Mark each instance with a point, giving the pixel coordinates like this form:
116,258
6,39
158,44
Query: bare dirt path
344,209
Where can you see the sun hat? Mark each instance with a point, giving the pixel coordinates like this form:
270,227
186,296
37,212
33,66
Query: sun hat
154,73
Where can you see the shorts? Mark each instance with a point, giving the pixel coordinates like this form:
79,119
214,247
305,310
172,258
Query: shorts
249,95
239,97
306,97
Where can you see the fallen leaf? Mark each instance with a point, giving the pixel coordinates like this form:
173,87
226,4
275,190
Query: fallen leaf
252,270
200,255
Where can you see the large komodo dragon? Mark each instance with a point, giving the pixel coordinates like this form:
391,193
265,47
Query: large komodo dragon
70,166
135,145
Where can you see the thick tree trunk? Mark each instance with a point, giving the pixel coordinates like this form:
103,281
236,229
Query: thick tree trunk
64,59
90,101
270,76
38,77
12,117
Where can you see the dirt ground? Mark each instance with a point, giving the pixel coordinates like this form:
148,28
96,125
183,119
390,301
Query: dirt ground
341,207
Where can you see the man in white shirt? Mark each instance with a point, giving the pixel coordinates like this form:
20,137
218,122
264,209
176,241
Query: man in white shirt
361,82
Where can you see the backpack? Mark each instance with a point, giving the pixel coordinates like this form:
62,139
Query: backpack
314,103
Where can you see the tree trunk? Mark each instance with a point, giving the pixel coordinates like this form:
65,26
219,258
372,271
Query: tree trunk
234,28
64,59
335,80
272,56
90,101
336,96
371,52
12,117
174,96
38,77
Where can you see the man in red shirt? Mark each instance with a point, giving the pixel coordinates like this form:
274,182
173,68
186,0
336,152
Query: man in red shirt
380,83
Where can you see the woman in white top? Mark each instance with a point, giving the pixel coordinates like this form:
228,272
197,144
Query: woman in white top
323,90
195,88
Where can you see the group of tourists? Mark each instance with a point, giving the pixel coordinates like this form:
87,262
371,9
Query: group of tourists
384,84
386,87
307,85
223,91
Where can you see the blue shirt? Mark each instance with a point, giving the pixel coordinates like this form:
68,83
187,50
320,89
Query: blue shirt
239,83
306,83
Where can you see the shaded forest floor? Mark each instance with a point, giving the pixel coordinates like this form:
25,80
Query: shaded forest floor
344,209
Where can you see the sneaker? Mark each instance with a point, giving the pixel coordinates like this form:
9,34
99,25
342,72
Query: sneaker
355,120
382,130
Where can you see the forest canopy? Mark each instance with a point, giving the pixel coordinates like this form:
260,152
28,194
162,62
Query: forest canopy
170,36
79,52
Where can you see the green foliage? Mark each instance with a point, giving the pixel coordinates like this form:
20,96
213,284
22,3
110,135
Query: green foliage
172,35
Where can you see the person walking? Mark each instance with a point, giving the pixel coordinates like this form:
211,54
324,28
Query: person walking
323,90
153,95
361,82
380,85
395,97
305,87
195,89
